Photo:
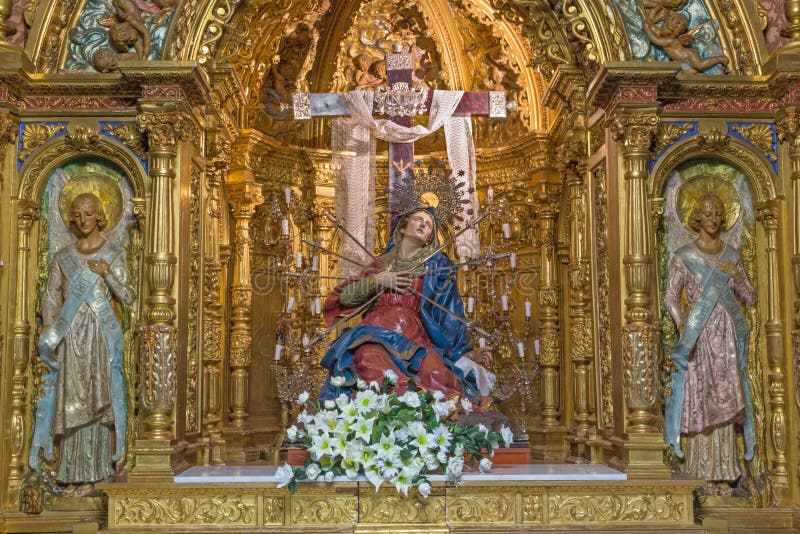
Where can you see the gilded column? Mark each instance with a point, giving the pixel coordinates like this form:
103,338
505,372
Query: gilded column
219,151
788,127
776,427
27,214
157,455
244,195
633,130
549,434
580,324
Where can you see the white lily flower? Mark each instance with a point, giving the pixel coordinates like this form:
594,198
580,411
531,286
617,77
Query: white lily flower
342,400
363,428
329,476
330,405
313,470
441,409
482,428
303,398
424,490
454,467
442,436
337,381
292,433
466,404
485,465
438,395
402,482
284,475
360,384
391,376
411,399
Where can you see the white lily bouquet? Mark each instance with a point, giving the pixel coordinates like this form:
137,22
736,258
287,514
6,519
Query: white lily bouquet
387,437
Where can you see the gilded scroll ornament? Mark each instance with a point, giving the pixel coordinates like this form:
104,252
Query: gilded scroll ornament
323,510
669,132
761,135
82,140
641,366
480,508
130,135
158,361
391,508
204,510
36,134
614,508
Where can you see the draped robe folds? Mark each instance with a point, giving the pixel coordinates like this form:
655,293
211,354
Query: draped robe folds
84,397
710,389
404,333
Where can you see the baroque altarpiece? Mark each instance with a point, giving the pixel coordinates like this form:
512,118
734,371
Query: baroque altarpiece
172,126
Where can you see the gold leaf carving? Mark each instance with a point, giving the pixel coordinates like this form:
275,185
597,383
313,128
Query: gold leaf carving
760,135
532,509
226,510
273,510
323,510
666,134
481,508
129,134
35,135
605,508
388,508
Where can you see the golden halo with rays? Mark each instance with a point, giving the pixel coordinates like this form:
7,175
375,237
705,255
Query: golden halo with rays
429,198
694,188
100,185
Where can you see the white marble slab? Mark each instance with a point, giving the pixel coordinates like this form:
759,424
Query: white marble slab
502,473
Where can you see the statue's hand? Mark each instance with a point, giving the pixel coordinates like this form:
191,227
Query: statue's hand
99,266
729,268
393,281
480,356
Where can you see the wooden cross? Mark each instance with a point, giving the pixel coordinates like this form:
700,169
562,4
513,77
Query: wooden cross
399,68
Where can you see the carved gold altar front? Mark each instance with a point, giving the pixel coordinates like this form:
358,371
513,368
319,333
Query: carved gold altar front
357,507
204,136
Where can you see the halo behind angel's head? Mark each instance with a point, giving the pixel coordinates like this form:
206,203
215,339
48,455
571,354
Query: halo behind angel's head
101,186
696,188
429,198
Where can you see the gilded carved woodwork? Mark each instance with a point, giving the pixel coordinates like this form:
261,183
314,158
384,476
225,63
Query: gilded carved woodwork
324,510
603,301
36,134
767,214
158,362
489,507
384,507
199,511
761,135
193,347
614,508
130,135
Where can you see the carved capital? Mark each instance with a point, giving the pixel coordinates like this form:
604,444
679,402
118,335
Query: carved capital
27,214
635,132
787,127
767,215
164,129
244,199
9,126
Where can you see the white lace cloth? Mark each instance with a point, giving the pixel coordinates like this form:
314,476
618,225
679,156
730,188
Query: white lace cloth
353,144
484,378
